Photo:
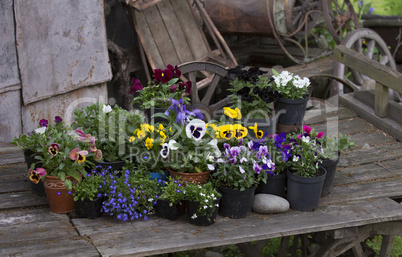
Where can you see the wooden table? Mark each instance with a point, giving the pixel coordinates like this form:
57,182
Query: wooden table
364,202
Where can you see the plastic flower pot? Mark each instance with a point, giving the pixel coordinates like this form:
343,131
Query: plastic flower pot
164,210
36,189
201,220
275,185
236,204
330,166
291,111
89,208
304,193
116,165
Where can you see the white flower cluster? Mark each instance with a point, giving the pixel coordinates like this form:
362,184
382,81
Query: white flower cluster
285,77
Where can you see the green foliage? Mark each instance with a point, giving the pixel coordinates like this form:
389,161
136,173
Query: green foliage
205,194
375,244
89,187
173,191
109,126
332,145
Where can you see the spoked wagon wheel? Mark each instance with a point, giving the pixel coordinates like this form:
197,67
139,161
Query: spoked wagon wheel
370,44
205,77
294,22
340,18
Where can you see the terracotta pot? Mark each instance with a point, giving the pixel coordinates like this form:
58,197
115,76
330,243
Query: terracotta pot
200,178
60,199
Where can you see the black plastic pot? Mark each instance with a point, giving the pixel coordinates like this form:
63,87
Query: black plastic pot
304,193
89,209
201,220
330,167
164,210
275,185
236,204
291,111
116,165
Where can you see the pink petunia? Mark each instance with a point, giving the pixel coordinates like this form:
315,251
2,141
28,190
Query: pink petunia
307,129
319,135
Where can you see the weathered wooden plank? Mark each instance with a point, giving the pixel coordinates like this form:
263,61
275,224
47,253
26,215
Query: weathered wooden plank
160,36
15,185
347,127
371,68
13,171
381,100
372,138
191,29
138,238
11,157
39,232
10,112
174,29
320,114
21,200
372,154
9,74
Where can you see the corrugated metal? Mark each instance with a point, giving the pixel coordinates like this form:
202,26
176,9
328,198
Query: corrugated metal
10,115
9,77
61,105
61,46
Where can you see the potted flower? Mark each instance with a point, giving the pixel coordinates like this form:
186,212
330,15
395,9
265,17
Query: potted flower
88,194
129,196
145,146
63,158
293,96
203,202
301,153
255,97
169,204
110,127
31,146
332,148
190,150
239,171
155,97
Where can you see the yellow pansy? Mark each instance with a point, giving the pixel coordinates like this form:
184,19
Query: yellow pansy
163,137
140,133
258,133
161,127
226,131
149,143
239,131
234,114
132,138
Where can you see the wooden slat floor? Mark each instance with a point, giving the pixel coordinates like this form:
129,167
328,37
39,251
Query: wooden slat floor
366,182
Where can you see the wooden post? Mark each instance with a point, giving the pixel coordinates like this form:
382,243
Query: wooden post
386,245
381,100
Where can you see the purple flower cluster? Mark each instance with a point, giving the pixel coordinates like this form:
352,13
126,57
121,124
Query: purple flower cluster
181,112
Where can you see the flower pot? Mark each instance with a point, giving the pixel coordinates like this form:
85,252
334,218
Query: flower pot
330,166
201,220
291,111
116,165
275,185
89,208
158,175
151,111
164,210
38,189
60,199
267,126
304,193
200,178
236,204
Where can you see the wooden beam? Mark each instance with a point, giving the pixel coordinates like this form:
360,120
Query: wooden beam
371,68
381,100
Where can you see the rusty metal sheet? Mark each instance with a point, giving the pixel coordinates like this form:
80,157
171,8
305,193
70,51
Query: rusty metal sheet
9,75
61,105
61,46
10,115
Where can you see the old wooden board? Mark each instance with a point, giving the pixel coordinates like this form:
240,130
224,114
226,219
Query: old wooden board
40,233
14,185
61,47
10,112
138,238
21,200
12,171
9,74
12,156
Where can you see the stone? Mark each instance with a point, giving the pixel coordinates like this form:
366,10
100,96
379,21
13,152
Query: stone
266,204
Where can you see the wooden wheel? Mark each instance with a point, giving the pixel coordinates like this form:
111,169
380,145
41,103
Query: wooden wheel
340,18
205,77
369,43
294,22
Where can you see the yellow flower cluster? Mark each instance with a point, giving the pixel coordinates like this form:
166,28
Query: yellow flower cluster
144,131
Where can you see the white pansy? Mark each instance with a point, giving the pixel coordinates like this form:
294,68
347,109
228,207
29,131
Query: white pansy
172,145
106,108
40,130
196,129
295,158
305,139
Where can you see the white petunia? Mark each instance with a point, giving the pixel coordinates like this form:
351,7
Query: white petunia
106,108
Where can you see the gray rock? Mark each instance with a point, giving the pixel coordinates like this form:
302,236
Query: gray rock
266,203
